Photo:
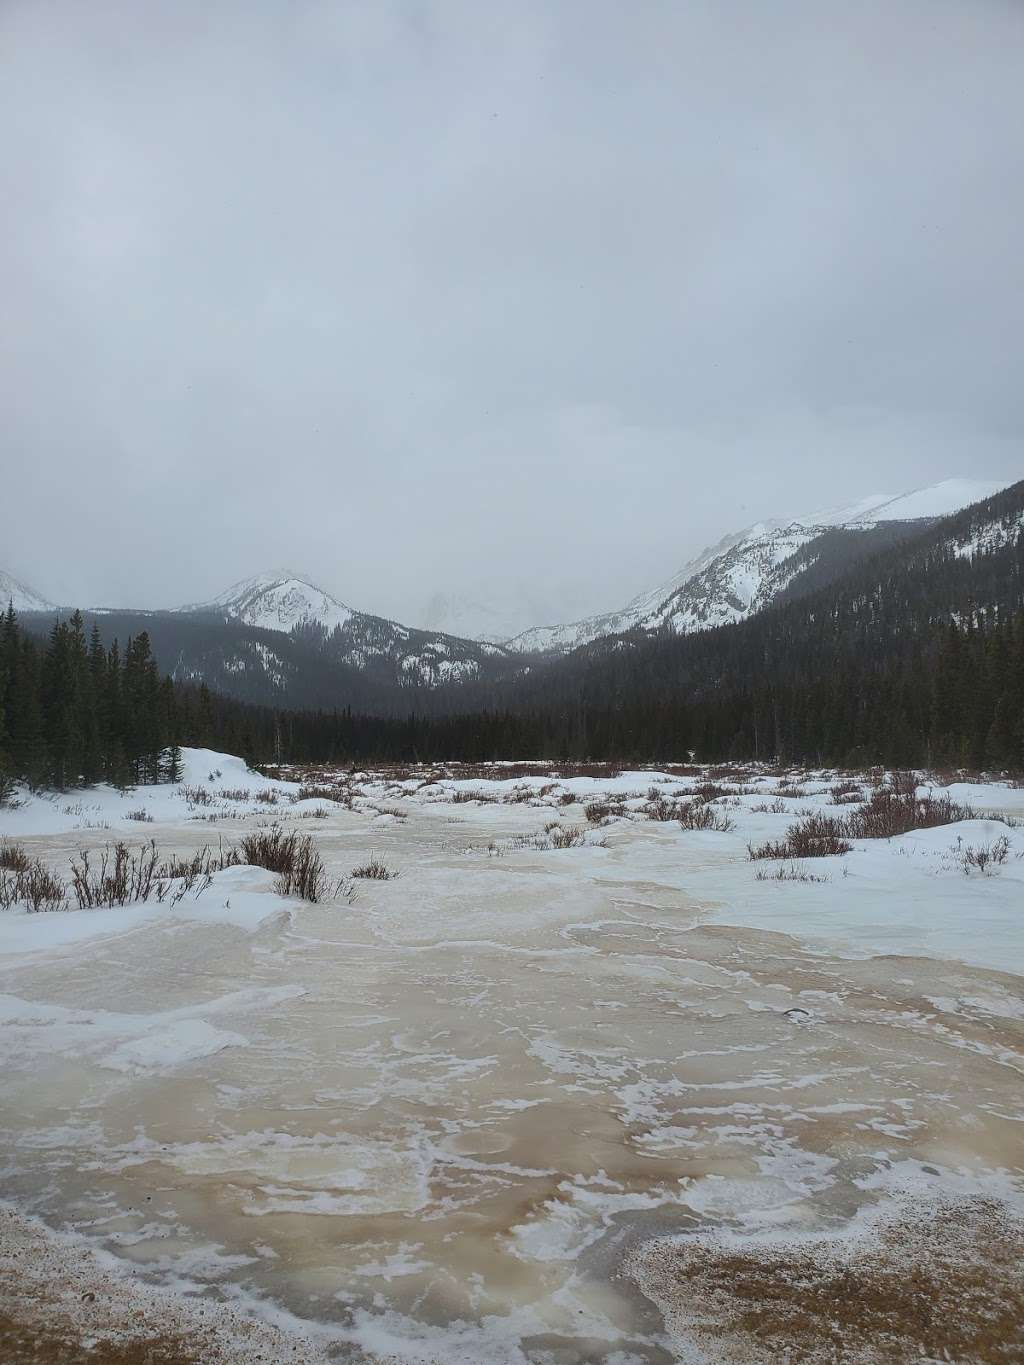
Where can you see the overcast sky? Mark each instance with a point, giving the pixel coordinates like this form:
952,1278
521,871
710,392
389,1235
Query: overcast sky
428,295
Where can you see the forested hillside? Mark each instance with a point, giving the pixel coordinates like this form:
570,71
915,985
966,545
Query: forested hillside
913,655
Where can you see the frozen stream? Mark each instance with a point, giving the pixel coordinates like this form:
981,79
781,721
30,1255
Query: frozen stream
437,1120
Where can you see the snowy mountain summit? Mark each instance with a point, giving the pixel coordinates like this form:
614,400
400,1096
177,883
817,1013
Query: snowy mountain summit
19,595
278,601
747,571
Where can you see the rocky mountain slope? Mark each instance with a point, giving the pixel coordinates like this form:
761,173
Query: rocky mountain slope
749,570
20,595
286,603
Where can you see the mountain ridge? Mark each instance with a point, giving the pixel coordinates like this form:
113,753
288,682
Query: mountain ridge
742,573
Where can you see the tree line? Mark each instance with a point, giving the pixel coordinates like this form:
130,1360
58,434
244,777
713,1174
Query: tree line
73,712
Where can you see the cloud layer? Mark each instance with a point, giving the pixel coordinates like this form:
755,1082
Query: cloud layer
440,294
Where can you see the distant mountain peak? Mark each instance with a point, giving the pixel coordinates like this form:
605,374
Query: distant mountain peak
23,598
278,600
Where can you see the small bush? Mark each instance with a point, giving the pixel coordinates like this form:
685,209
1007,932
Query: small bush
122,878
142,815
272,849
307,793
984,858
307,876
553,836
268,796
597,812
776,807
13,858
34,886
374,871
235,794
196,796
893,810
818,836
319,813
567,836
699,816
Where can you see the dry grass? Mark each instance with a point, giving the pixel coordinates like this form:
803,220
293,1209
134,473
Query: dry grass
945,1285
374,870
788,872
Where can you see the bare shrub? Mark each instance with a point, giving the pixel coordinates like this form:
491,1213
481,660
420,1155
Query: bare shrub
983,858
307,877
203,863
272,849
374,871
34,886
122,878
566,836
13,858
315,793
567,799
234,794
818,836
699,816
196,796
709,791
318,813
142,815
776,807
520,796
597,812
894,810
661,808
845,793
268,796
553,836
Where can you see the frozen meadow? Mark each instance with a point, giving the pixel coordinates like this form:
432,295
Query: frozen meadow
574,1083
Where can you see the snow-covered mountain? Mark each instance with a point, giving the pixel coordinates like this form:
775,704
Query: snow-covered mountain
287,603
745,572
278,601
23,598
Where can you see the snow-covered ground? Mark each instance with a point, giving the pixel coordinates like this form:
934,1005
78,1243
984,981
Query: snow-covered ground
458,1116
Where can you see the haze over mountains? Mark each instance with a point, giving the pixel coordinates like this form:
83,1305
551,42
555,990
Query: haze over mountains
272,634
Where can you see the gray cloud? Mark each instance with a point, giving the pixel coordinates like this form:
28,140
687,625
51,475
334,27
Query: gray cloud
421,295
